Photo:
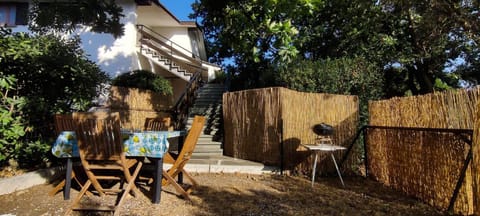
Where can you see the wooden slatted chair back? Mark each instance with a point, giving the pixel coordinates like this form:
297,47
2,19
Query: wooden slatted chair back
99,136
191,139
63,122
157,124
101,153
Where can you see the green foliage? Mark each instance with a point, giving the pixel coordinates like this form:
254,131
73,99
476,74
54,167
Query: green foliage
413,42
103,16
53,76
336,76
33,154
220,77
11,125
144,79
252,31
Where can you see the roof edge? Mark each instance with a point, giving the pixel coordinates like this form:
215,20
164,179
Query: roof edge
157,2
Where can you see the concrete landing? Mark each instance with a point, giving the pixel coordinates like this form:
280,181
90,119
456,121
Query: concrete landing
217,164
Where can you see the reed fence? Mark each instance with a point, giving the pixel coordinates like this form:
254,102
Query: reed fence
269,125
135,105
409,155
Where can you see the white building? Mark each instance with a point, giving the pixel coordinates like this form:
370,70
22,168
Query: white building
154,40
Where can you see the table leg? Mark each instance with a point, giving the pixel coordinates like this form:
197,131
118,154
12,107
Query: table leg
180,146
158,180
314,168
68,180
338,171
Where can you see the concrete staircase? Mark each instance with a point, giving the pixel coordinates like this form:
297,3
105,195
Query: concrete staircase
209,104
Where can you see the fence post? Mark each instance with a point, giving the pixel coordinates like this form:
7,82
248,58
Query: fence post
475,148
281,147
365,150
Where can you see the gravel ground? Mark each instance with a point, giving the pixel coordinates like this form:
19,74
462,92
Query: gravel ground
240,194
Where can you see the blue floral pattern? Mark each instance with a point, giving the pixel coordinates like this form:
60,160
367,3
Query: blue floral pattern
147,143
65,145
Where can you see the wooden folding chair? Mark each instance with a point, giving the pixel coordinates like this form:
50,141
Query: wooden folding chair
179,161
64,122
157,124
102,156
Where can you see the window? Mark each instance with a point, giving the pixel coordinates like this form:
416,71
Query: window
12,14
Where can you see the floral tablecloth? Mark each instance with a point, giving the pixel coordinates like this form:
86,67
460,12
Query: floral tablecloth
145,143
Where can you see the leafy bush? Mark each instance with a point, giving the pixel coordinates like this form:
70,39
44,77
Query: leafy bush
336,76
11,127
220,77
33,154
53,75
144,79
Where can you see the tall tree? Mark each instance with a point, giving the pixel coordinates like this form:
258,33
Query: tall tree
426,37
421,46
102,16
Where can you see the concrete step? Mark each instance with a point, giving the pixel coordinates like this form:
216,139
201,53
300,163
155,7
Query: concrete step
206,108
211,132
208,103
208,151
220,163
213,86
211,93
208,142
208,154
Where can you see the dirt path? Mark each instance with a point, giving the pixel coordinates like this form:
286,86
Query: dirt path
241,194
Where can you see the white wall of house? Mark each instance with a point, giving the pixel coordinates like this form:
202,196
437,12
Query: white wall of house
178,35
118,55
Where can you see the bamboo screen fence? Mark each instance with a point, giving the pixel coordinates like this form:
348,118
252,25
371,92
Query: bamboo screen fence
423,163
253,124
136,105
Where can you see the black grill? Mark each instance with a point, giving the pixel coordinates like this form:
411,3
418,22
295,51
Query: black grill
323,129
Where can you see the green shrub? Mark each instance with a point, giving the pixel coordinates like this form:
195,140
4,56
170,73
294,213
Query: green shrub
144,79
53,75
220,77
11,127
33,154
336,76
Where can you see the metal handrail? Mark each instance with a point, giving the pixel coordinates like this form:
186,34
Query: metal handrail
146,30
183,63
180,109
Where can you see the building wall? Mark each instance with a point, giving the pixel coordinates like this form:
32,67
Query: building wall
118,55
178,35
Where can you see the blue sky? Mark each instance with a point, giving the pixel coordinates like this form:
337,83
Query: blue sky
180,8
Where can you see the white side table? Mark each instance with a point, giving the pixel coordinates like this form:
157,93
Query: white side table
324,148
